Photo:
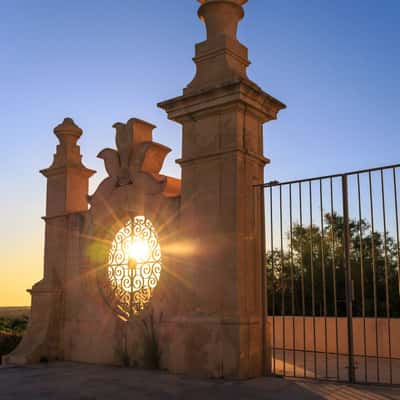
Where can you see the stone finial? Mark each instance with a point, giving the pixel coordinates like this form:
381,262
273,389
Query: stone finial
68,178
68,152
68,131
221,16
221,58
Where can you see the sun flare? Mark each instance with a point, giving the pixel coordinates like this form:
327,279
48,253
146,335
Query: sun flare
139,250
134,266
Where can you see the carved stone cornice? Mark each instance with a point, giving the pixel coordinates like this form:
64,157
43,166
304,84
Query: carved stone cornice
242,91
256,157
77,169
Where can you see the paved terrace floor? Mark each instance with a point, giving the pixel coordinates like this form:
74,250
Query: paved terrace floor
89,382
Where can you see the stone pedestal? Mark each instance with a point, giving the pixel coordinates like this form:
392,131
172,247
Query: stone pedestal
222,112
67,195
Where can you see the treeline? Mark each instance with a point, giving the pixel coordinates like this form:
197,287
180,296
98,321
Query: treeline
308,276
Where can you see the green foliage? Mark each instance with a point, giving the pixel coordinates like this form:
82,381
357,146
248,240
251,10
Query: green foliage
14,325
8,342
11,332
308,276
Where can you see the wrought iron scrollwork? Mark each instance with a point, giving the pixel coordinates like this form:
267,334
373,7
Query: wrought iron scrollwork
133,268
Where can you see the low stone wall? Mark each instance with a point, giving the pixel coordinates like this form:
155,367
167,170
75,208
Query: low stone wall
290,332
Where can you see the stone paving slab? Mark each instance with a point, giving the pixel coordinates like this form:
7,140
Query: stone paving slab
92,382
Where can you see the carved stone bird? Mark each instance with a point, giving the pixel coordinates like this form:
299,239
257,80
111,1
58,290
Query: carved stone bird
111,162
112,166
123,140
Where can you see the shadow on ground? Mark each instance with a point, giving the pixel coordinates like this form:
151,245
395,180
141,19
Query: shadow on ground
89,382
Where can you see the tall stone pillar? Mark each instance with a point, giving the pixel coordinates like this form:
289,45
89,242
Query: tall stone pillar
67,196
67,193
222,113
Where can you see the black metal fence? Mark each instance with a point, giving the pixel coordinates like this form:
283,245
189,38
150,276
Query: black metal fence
333,277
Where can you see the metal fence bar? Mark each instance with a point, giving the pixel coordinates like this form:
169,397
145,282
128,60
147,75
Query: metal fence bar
292,281
396,209
312,280
371,200
303,302
322,253
282,272
317,178
273,282
360,221
334,281
348,278
387,300
264,297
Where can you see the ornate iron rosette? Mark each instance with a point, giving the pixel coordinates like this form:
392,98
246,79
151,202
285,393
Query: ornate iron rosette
133,267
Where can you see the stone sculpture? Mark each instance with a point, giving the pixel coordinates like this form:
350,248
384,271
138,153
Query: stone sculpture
188,298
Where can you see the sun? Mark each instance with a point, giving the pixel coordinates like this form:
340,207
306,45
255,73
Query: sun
139,250
134,267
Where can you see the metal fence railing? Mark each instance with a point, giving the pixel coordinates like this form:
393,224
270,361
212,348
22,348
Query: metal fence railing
332,294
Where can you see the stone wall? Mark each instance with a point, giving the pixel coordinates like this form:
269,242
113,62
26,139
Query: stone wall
294,326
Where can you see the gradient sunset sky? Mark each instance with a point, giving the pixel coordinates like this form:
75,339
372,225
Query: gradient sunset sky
334,63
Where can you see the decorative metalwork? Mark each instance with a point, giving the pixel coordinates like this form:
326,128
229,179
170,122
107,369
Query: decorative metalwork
134,267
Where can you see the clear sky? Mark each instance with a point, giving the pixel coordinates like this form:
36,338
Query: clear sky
334,63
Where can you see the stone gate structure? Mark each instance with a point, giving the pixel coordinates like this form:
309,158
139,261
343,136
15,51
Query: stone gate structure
152,271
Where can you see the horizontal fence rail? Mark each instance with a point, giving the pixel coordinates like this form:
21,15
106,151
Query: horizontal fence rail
332,273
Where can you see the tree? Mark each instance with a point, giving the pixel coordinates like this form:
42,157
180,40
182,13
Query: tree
307,277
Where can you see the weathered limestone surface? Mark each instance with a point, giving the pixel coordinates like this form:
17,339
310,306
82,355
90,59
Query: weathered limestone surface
71,319
222,112
67,189
205,314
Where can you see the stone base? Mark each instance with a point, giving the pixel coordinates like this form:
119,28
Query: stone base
212,347
41,339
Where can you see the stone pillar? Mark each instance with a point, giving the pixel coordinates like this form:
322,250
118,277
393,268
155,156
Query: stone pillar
67,177
67,196
222,113
67,193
